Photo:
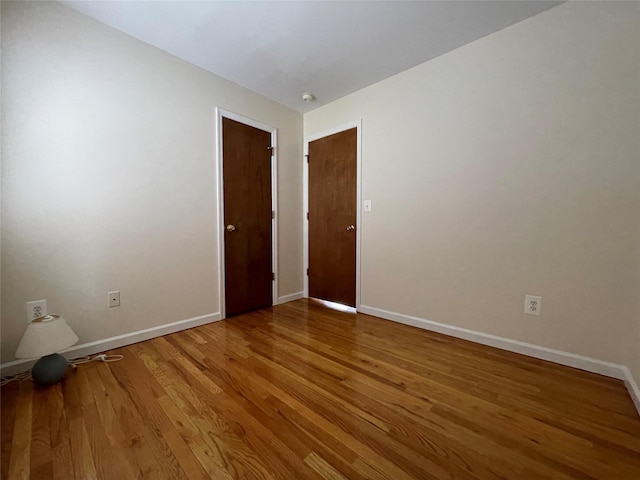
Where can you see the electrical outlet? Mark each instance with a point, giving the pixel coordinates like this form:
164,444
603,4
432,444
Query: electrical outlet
36,309
532,304
113,299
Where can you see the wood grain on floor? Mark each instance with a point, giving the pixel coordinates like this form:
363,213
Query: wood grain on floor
300,391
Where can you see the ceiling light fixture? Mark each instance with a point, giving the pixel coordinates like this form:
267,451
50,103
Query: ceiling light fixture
307,97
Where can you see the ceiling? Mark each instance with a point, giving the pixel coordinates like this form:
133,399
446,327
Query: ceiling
282,49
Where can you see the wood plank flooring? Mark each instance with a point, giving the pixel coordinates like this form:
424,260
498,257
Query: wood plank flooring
300,391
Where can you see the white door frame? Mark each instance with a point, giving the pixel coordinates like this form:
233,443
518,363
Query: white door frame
305,193
220,114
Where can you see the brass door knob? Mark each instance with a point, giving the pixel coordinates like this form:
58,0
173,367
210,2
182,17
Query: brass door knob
351,228
231,228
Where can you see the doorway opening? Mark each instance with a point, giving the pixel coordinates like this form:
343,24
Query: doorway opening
247,219
332,215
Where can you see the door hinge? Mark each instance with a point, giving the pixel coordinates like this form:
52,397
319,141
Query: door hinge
272,150
307,272
273,214
307,215
307,157
273,276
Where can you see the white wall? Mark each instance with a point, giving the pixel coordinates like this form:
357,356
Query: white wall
507,167
109,179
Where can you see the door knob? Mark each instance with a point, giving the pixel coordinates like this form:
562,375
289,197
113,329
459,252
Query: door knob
351,228
231,228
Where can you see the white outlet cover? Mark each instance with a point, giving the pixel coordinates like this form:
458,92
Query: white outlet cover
532,304
36,309
113,299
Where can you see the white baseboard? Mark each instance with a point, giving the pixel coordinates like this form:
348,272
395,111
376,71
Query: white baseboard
632,386
581,362
90,348
557,356
291,297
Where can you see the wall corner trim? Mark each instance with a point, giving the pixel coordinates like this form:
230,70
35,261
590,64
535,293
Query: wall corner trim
291,297
91,348
581,362
632,386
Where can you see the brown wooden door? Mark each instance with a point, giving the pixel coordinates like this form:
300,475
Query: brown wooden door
332,217
246,163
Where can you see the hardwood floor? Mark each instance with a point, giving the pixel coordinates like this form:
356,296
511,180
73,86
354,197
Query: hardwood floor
299,391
